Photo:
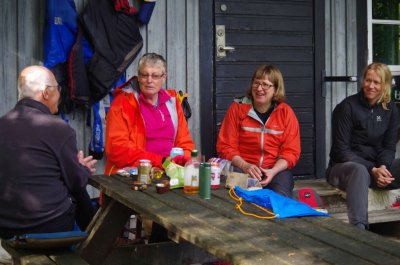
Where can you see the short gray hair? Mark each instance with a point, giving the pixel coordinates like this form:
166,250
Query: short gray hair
152,59
33,79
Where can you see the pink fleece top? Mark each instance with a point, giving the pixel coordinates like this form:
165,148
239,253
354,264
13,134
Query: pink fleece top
159,128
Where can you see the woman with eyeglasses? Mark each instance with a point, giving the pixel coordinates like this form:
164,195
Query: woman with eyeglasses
145,121
260,133
364,137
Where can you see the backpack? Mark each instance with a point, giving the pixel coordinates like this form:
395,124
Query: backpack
182,97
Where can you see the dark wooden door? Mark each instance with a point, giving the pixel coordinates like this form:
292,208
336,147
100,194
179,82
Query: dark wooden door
281,33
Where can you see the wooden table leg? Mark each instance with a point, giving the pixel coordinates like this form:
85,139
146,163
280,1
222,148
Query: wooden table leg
107,227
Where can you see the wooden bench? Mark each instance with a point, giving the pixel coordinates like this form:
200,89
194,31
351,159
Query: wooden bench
43,257
336,203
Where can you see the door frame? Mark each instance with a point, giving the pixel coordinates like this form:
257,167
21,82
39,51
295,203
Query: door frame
207,82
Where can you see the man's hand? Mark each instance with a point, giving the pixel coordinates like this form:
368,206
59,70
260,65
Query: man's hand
382,176
88,162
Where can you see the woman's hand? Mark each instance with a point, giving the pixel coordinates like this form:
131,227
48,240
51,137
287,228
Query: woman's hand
269,174
382,176
253,170
88,162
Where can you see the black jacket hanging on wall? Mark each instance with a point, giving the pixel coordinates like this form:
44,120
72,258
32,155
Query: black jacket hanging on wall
116,40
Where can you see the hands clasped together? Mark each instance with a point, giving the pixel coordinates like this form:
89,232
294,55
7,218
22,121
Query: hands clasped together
382,176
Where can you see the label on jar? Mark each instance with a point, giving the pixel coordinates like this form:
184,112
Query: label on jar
215,176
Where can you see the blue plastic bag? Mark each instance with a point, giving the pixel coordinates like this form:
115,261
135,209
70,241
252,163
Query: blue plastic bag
282,207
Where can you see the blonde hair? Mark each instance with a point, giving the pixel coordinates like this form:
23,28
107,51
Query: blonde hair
274,75
383,71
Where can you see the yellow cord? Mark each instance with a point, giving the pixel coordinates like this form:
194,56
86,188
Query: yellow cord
111,169
239,204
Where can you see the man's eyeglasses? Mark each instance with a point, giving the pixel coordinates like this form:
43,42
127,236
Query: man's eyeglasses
59,88
153,76
263,85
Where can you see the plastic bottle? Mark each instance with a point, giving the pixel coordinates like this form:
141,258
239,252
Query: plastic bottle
191,175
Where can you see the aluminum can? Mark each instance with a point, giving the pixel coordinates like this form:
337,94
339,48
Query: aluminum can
144,171
176,151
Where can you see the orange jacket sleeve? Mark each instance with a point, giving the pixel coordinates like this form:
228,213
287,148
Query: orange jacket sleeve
228,137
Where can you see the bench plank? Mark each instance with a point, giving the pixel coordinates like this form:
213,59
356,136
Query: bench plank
43,257
336,204
377,216
67,259
26,257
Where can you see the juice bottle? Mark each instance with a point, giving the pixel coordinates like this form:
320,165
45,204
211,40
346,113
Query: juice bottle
191,175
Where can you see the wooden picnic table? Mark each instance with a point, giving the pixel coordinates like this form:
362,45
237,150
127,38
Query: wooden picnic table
217,227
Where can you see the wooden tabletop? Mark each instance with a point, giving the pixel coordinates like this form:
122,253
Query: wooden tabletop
217,227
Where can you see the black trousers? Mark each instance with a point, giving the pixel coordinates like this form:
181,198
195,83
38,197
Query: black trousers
81,212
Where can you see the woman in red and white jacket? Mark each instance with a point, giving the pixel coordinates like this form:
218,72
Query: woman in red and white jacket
260,133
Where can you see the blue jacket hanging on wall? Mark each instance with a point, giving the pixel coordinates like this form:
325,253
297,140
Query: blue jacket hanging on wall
146,10
59,32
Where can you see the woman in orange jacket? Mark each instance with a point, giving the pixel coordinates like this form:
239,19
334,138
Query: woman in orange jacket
144,120
260,133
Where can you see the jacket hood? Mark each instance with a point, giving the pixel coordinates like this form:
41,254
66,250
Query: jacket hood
128,87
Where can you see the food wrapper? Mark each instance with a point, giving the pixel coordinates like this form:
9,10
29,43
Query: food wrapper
242,180
175,172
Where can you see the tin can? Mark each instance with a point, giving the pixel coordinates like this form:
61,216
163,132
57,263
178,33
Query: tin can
176,151
144,171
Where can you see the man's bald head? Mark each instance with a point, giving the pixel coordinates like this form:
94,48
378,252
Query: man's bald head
33,80
38,83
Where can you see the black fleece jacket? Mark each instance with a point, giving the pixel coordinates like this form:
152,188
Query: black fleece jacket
363,133
39,169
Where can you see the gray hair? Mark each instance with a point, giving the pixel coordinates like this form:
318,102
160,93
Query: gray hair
33,79
152,59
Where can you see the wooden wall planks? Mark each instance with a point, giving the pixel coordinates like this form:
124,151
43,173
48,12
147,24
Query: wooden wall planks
172,32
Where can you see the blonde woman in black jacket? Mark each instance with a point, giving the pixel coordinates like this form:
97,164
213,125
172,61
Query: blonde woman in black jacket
364,136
